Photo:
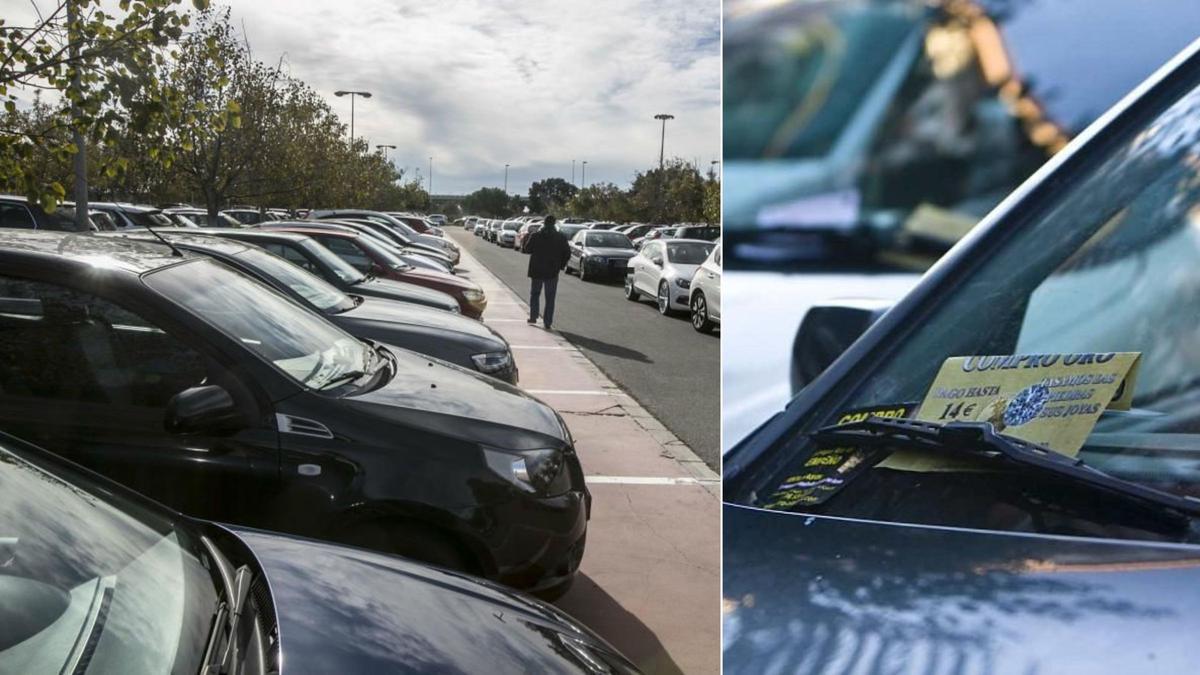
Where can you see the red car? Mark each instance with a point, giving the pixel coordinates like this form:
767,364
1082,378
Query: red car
369,257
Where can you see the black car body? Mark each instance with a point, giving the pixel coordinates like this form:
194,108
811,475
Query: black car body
599,254
307,253
450,337
424,256
19,213
210,392
72,537
1002,565
436,243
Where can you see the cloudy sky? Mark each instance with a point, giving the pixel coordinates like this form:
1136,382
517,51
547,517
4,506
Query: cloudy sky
477,84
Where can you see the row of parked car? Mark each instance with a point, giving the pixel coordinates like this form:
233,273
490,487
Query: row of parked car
679,266
308,403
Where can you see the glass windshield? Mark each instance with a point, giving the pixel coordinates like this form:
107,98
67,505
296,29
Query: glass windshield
344,270
607,240
383,251
310,287
148,218
1110,264
688,253
80,564
304,346
793,78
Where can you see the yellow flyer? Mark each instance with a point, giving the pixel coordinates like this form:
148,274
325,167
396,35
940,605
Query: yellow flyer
1053,400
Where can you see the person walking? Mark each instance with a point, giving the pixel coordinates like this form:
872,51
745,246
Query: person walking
548,252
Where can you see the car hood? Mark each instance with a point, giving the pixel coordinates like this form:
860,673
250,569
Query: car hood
829,595
373,310
347,610
444,278
610,252
406,292
442,398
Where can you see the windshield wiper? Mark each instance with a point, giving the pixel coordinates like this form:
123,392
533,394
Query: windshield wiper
980,440
218,658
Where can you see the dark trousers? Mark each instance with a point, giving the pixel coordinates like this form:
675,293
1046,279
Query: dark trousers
535,292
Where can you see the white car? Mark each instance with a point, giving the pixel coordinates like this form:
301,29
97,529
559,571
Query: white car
705,301
663,270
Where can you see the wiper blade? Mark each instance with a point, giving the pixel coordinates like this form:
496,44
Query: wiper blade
980,440
349,375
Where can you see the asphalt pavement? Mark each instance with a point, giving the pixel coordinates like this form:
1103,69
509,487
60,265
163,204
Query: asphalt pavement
665,365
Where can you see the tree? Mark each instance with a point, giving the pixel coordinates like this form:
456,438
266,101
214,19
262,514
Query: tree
103,68
603,201
549,194
712,200
672,194
488,202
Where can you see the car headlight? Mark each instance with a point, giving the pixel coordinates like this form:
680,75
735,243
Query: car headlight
540,472
683,283
493,362
474,295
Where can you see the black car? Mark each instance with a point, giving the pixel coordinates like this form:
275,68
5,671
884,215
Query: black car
303,251
99,578
417,256
450,337
20,213
201,388
992,554
599,254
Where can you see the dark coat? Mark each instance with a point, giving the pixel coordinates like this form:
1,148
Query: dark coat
548,253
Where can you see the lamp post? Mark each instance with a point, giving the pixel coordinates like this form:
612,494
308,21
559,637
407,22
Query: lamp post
506,179
352,94
663,142
572,172
431,180
384,149
715,167
583,175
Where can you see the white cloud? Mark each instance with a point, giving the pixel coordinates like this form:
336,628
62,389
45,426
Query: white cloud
534,83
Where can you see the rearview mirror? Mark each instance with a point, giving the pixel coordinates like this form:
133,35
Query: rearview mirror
207,409
826,332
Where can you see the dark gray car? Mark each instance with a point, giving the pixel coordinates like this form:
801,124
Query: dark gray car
449,337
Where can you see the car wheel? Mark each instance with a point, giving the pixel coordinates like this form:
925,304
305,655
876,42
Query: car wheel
700,314
631,292
582,271
411,540
664,299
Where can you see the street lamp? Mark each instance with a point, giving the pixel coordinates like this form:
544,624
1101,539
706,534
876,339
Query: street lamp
583,176
505,179
572,172
384,149
663,143
352,94
431,180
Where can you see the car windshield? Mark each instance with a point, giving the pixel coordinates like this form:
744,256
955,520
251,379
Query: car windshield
569,231
793,79
512,226
1109,263
148,218
87,574
344,270
688,252
308,286
383,251
303,345
607,240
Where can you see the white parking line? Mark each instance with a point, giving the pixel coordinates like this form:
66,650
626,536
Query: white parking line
578,392
555,347
504,320
648,480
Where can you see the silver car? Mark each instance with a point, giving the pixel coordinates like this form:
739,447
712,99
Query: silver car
663,270
705,295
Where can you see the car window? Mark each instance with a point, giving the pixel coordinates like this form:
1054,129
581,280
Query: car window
16,216
348,251
291,255
687,252
603,239
62,344
306,285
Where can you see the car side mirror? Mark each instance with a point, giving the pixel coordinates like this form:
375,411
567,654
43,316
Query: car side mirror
826,332
657,262
208,409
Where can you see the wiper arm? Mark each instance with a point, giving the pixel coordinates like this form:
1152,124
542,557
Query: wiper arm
346,376
980,440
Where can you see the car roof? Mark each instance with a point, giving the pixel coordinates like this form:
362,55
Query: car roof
343,231
258,233
124,206
134,257
188,237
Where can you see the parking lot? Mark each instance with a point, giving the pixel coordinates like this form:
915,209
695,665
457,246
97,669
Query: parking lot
661,362
652,555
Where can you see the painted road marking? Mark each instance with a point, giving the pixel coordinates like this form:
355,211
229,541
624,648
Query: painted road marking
650,480
555,347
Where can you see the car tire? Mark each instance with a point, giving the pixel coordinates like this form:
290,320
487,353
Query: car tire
582,271
413,541
631,292
663,300
700,320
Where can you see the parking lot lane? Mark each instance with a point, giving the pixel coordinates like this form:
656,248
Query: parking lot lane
669,368
650,578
